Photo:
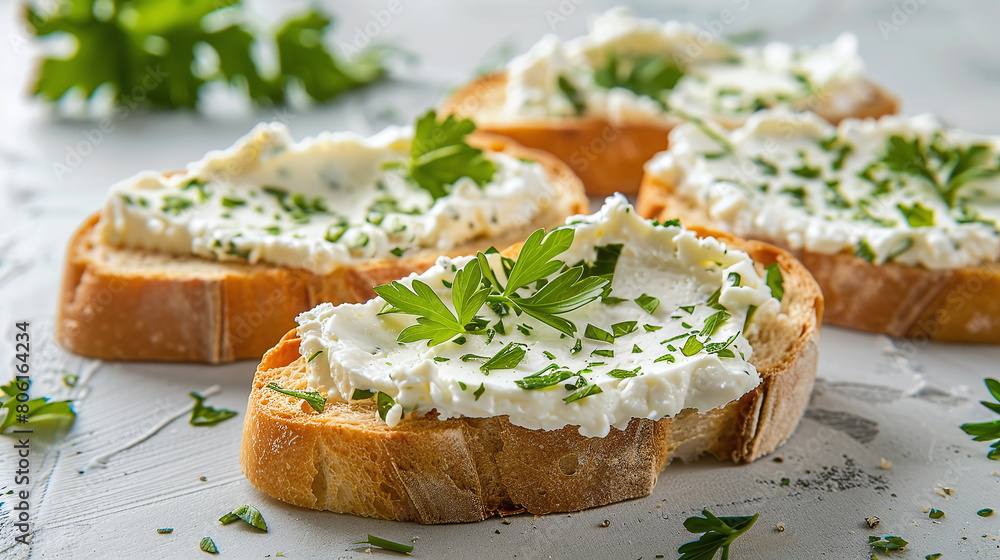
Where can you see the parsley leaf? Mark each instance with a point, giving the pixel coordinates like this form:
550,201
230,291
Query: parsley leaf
439,155
542,379
153,47
988,431
719,534
650,76
43,415
775,281
713,322
917,215
864,251
313,398
585,392
247,513
648,303
507,358
886,543
692,346
208,545
572,94
202,415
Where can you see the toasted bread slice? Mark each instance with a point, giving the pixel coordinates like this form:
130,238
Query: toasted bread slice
128,304
957,305
467,469
608,157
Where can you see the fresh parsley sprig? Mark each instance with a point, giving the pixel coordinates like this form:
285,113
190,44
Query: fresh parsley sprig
439,155
988,431
138,49
719,534
478,284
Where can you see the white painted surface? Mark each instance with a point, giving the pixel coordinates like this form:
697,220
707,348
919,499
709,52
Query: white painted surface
943,59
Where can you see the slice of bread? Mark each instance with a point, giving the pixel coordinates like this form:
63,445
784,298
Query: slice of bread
128,304
467,469
608,157
956,305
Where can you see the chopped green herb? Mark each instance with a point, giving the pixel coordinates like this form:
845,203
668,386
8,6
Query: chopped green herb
806,172
398,251
785,482
917,215
603,353
622,373
208,545
387,545
886,543
651,76
596,333
507,358
651,328
988,431
775,281
692,346
713,323
313,398
864,251
636,349
314,355
623,328
175,204
719,534
572,94
165,530
202,415
935,514
986,512
669,358
384,403
247,513
689,308
543,378
70,380
479,392
648,303
362,394
577,347
766,167
549,355
586,391
233,202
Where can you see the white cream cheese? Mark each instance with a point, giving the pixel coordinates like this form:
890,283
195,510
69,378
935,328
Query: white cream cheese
795,179
316,204
720,81
659,364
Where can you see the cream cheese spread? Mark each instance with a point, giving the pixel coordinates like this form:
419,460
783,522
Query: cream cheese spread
902,189
669,336
629,69
318,203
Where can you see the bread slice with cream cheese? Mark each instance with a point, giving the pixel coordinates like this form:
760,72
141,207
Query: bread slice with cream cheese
896,217
476,425
212,264
605,102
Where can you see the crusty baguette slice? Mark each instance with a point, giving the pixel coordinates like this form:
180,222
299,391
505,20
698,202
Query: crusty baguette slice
126,304
608,157
959,305
444,471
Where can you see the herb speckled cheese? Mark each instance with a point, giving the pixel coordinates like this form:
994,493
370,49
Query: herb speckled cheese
672,340
717,79
902,189
318,204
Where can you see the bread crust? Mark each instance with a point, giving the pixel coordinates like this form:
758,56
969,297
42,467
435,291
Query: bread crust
609,157
953,305
429,470
128,304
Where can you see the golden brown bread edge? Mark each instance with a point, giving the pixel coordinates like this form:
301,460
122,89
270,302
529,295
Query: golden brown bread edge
955,305
129,304
468,469
608,157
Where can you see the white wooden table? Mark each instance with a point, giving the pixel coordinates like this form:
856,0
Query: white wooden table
875,398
